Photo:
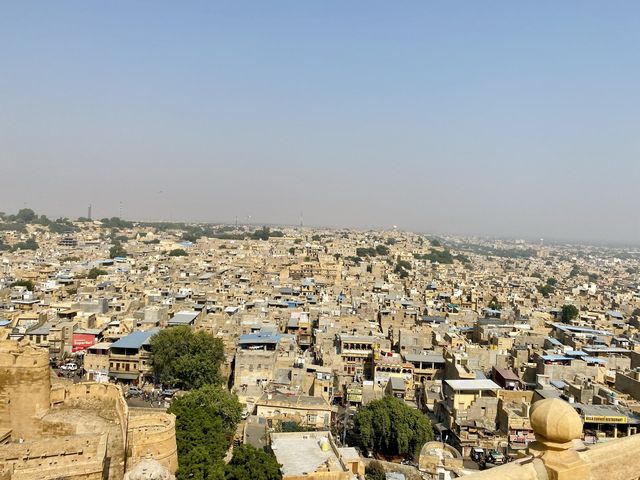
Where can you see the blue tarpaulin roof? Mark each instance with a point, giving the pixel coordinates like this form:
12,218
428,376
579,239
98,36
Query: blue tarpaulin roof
136,339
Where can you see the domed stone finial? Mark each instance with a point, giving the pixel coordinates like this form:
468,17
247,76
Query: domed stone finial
555,422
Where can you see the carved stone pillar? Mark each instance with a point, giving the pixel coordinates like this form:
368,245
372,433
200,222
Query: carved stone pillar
558,429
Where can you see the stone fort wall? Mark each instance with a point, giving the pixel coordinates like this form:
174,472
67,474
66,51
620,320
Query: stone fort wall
88,394
56,421
73,458
103,400
152,435
25,386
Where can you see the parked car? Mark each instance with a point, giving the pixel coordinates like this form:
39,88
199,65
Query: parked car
477,454
134,391
168,393
69,367
496,457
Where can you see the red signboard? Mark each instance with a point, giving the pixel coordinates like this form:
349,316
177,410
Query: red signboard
82,341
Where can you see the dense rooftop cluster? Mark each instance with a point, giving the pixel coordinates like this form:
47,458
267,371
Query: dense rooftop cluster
316,324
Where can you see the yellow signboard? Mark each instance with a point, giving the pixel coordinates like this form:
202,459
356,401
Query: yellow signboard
604,419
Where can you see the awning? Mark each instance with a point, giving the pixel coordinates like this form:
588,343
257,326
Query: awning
124,375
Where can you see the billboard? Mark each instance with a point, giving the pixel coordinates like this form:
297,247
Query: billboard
82,341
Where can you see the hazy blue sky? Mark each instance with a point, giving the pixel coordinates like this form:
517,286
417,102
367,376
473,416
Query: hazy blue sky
503,118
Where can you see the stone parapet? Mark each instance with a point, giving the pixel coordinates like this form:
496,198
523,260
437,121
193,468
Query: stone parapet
152,435
558,453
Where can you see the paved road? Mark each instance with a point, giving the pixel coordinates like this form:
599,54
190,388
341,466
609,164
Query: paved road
141,403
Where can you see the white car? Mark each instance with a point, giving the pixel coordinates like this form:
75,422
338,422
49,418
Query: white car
71,367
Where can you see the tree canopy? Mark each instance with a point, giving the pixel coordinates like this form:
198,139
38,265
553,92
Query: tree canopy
390,426
206,419
117,250
440,256
96,272
178,252
28,284
375,471
249,463
26,215
29,244
185,359
546,290
569,312
381,250
402,268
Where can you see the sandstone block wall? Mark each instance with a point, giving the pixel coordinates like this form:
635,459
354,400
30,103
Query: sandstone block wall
152,435
73,458
25,387
66,426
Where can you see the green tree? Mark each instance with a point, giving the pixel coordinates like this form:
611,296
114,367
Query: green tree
552,281
375,471
26,215
494,304
96,272
402,268
117,250
249,463
546,290
568,313
115,222
28,284
440,256
29,244
206,420
186,359
178,252
382,250
390,426
262,234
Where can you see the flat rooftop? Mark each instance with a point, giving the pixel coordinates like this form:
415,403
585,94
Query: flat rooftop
300,453
482,384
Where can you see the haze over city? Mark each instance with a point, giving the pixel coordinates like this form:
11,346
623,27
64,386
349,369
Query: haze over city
502,119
